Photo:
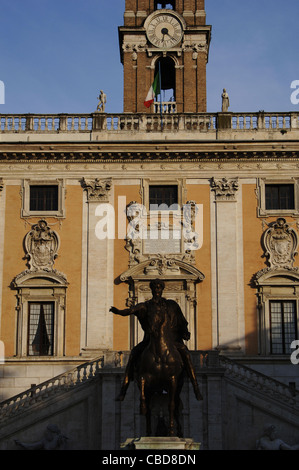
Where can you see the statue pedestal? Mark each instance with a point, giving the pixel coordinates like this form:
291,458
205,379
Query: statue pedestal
160,443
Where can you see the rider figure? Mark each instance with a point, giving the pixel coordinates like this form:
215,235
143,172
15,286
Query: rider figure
179,326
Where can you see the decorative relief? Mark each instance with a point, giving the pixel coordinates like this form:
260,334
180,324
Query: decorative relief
191,237
141,247
97,189
133,241
1,184
195,48
225,190
41,245
162,265
280,244
134,49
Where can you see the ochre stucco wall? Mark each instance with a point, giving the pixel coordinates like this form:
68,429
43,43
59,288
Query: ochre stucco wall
69,262
121,260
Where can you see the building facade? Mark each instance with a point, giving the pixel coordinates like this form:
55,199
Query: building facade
83,227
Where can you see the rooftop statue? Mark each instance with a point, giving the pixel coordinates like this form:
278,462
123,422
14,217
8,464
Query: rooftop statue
225,101
161,360
102,102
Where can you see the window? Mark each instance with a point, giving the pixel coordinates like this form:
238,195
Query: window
279,196
169,5
283,326
166,195
40,328
43,198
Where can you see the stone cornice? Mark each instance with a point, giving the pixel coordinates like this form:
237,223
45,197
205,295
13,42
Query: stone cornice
144,151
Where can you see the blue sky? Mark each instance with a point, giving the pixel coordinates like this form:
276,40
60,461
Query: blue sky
56,55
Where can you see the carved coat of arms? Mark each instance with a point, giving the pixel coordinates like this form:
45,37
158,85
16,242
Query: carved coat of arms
280,242
41,245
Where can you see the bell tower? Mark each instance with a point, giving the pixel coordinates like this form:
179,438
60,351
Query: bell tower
172,37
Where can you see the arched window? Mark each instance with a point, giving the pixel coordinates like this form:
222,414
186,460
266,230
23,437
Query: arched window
169,5
166,66
41,305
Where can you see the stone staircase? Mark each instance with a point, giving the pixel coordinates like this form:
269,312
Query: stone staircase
82,403
260,384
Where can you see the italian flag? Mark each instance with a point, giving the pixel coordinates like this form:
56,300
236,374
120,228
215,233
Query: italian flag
153,91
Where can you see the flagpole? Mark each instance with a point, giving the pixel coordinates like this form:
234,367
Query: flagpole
160,78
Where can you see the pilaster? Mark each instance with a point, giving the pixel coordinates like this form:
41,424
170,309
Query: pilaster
2,227
98,324
228,261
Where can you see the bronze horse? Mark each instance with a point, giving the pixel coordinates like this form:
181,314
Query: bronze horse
159,361
161,369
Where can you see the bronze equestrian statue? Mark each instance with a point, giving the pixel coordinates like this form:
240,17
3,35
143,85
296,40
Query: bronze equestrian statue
160,360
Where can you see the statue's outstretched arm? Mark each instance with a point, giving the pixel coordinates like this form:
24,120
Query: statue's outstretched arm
123,313
128,311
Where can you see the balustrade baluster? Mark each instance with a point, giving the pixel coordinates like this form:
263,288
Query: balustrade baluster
90,375
84,378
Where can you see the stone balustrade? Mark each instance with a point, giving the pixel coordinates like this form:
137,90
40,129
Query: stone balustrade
171,122
166,106
63,382
203,360
259,382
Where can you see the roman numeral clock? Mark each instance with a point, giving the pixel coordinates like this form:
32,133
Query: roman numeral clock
164,30
174,41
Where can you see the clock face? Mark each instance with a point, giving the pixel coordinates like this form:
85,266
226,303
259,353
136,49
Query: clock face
164,31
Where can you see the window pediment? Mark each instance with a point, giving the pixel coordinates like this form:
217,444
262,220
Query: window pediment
281,276
39,279
164,267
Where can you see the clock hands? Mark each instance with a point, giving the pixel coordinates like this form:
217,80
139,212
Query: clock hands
165,32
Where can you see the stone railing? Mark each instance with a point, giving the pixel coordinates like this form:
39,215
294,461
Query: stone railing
80,123
66,381
265,121
261,383
171,122
166,106
82,374
204,362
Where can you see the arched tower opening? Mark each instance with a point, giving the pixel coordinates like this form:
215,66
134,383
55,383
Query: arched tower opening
166,67
169,5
